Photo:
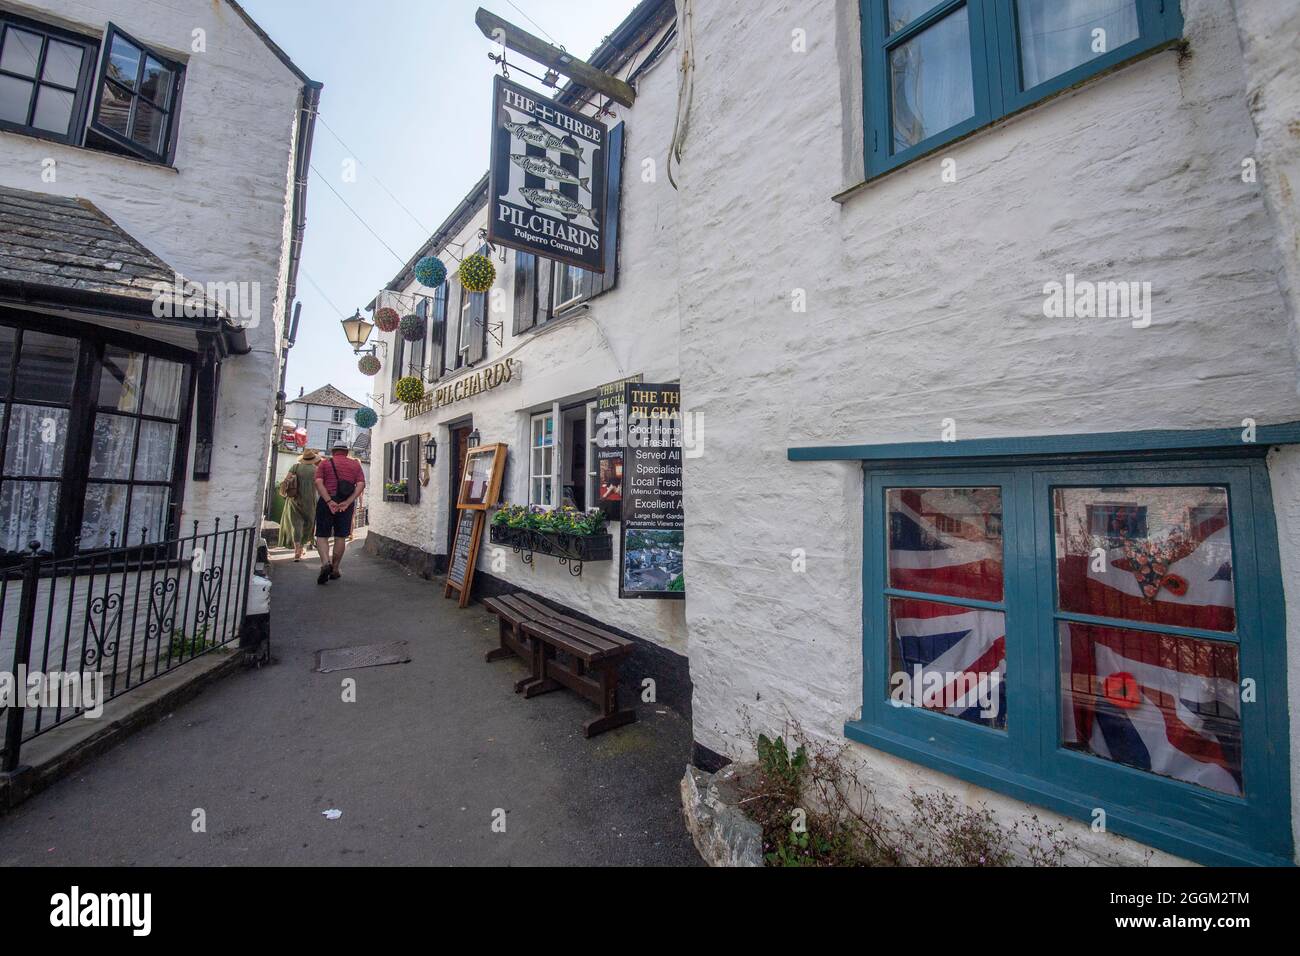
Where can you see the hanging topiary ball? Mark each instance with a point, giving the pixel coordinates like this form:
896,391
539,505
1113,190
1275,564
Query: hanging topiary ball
387,319
477,273
412,328
430,271
366,417
369,365
409,390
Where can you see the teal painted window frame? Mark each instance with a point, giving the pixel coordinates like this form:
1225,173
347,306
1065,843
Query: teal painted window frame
1025,761
995,68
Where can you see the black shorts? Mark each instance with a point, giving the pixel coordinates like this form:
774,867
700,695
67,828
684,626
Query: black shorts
330,525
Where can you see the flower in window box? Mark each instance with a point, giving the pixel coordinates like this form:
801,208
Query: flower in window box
409,390
369,365
412,327
366,417
387,319
477,273
430,271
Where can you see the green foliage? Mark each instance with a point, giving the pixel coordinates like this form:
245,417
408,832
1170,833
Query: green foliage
395,488
563,520
408,390
677,584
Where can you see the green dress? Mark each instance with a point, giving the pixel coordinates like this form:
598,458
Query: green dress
297,522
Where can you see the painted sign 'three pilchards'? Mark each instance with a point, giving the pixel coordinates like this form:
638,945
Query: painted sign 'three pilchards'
548,178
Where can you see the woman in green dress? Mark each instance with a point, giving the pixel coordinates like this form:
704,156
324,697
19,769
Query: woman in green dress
298,518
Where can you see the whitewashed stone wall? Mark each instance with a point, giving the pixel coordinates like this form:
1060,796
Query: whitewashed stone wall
925,303
220,215
631,329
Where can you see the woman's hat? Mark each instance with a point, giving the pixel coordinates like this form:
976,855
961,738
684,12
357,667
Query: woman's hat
309,455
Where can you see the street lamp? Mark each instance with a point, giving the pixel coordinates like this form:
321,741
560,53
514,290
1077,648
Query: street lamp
358,329
431,451
473,439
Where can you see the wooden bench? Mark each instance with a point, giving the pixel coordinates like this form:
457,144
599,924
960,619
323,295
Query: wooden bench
562,652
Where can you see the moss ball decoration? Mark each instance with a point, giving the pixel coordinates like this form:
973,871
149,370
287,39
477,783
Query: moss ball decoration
366,417
412,328
477,273
409,390
369,365
387,319
431,272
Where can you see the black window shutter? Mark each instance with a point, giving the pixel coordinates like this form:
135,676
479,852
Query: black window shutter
205,417
413,482
613,194
478,327
525,291
545,270
451,350
388,462
399,362
438,331
415,363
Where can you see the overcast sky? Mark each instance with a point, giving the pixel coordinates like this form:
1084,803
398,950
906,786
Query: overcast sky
408,89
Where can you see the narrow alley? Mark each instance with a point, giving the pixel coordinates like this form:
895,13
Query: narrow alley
417,765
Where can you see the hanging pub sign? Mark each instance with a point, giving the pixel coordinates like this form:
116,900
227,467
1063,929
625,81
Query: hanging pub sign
653,520
548,178
609,447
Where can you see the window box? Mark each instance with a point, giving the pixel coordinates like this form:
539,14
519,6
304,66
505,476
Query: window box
571,549
395,491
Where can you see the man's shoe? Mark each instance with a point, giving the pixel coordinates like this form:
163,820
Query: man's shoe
324,576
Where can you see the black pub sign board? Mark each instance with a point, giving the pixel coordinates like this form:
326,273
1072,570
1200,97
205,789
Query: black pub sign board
548,178
654,522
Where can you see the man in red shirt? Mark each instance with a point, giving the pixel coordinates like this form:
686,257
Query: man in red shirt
339,483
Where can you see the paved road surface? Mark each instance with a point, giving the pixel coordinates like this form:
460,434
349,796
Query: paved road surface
418,764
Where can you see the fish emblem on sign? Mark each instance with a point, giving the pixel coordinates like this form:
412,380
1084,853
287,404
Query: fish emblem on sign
534,134
550,199
541,166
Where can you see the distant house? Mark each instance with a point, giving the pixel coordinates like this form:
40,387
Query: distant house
327,415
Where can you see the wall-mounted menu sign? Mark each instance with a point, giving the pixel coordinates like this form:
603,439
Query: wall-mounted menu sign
609,447
653,520
548,178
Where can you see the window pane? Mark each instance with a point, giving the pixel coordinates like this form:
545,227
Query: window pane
37,436
157,84
948,658
162,393
27,513
119,385
946,541
149,126
22,51
535,495
903,12
110,449
53,110
1161,555
46,368
62,64
15,99
124,62
1164,704
930,76
148,512
114,108
8,336
1058,35
101,521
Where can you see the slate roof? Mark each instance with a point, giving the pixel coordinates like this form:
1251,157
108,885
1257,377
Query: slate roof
55,247
361,447
326,395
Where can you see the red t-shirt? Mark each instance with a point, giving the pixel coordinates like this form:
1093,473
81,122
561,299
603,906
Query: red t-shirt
340,466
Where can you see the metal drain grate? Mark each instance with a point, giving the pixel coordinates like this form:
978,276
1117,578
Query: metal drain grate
363,655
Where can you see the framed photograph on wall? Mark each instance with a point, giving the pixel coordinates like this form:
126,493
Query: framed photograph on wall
484,467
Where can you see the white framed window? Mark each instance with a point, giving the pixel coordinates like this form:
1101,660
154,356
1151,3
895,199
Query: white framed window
403,461
466,324
337,414
566,287
542,460
333,435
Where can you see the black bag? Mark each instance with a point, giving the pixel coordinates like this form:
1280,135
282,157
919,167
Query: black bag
344,488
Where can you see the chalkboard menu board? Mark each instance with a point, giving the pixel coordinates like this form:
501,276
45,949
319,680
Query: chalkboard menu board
464,555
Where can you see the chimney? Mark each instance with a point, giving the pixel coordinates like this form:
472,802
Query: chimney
301,389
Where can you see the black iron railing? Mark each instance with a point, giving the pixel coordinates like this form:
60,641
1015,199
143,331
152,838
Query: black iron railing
121,616
571,550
